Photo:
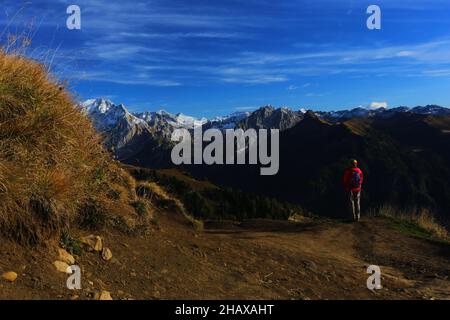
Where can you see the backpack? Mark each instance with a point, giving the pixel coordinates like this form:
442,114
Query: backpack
355,180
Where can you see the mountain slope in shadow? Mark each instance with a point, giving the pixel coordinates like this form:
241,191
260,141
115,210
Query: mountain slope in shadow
403,158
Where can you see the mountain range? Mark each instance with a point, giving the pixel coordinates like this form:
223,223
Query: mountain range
126,132
404,152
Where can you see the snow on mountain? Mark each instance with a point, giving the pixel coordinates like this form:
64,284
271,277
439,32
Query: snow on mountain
127,134
120,129
106,115
360,112
174,121
431,110
227,122
188,121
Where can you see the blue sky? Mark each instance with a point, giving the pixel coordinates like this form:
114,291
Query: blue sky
207,58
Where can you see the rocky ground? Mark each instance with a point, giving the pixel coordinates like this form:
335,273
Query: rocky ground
253,260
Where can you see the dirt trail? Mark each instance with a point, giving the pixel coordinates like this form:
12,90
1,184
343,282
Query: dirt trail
255,260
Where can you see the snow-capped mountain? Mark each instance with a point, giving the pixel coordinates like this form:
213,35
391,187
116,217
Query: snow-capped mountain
159,121
127,134
344,115
227,122
166,122
178,120
106,115
270,118
185,121
431,110
146,136
122,131
116,119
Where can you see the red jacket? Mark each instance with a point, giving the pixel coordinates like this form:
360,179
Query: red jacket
347,179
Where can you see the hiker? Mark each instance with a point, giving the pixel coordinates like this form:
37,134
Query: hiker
353,179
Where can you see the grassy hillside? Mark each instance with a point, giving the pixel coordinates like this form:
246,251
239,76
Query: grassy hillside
54,172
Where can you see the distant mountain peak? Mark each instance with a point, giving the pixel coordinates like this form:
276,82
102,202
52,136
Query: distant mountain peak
100,105
431,110
267,108
269,117
310,115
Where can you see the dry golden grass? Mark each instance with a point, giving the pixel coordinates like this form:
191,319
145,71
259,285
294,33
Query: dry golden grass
52,162
154,193
419,217
357,126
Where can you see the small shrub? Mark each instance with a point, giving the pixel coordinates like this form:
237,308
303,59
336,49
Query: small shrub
155,223
93,215
140,207
143,190
72,245
113,194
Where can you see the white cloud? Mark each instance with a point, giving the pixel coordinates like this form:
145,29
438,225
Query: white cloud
377,105
292,87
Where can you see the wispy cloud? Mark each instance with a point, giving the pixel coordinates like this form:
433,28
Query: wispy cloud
123,78
314,95
437,72
259,79
279,46
155,36
172,67
437,51
180,35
